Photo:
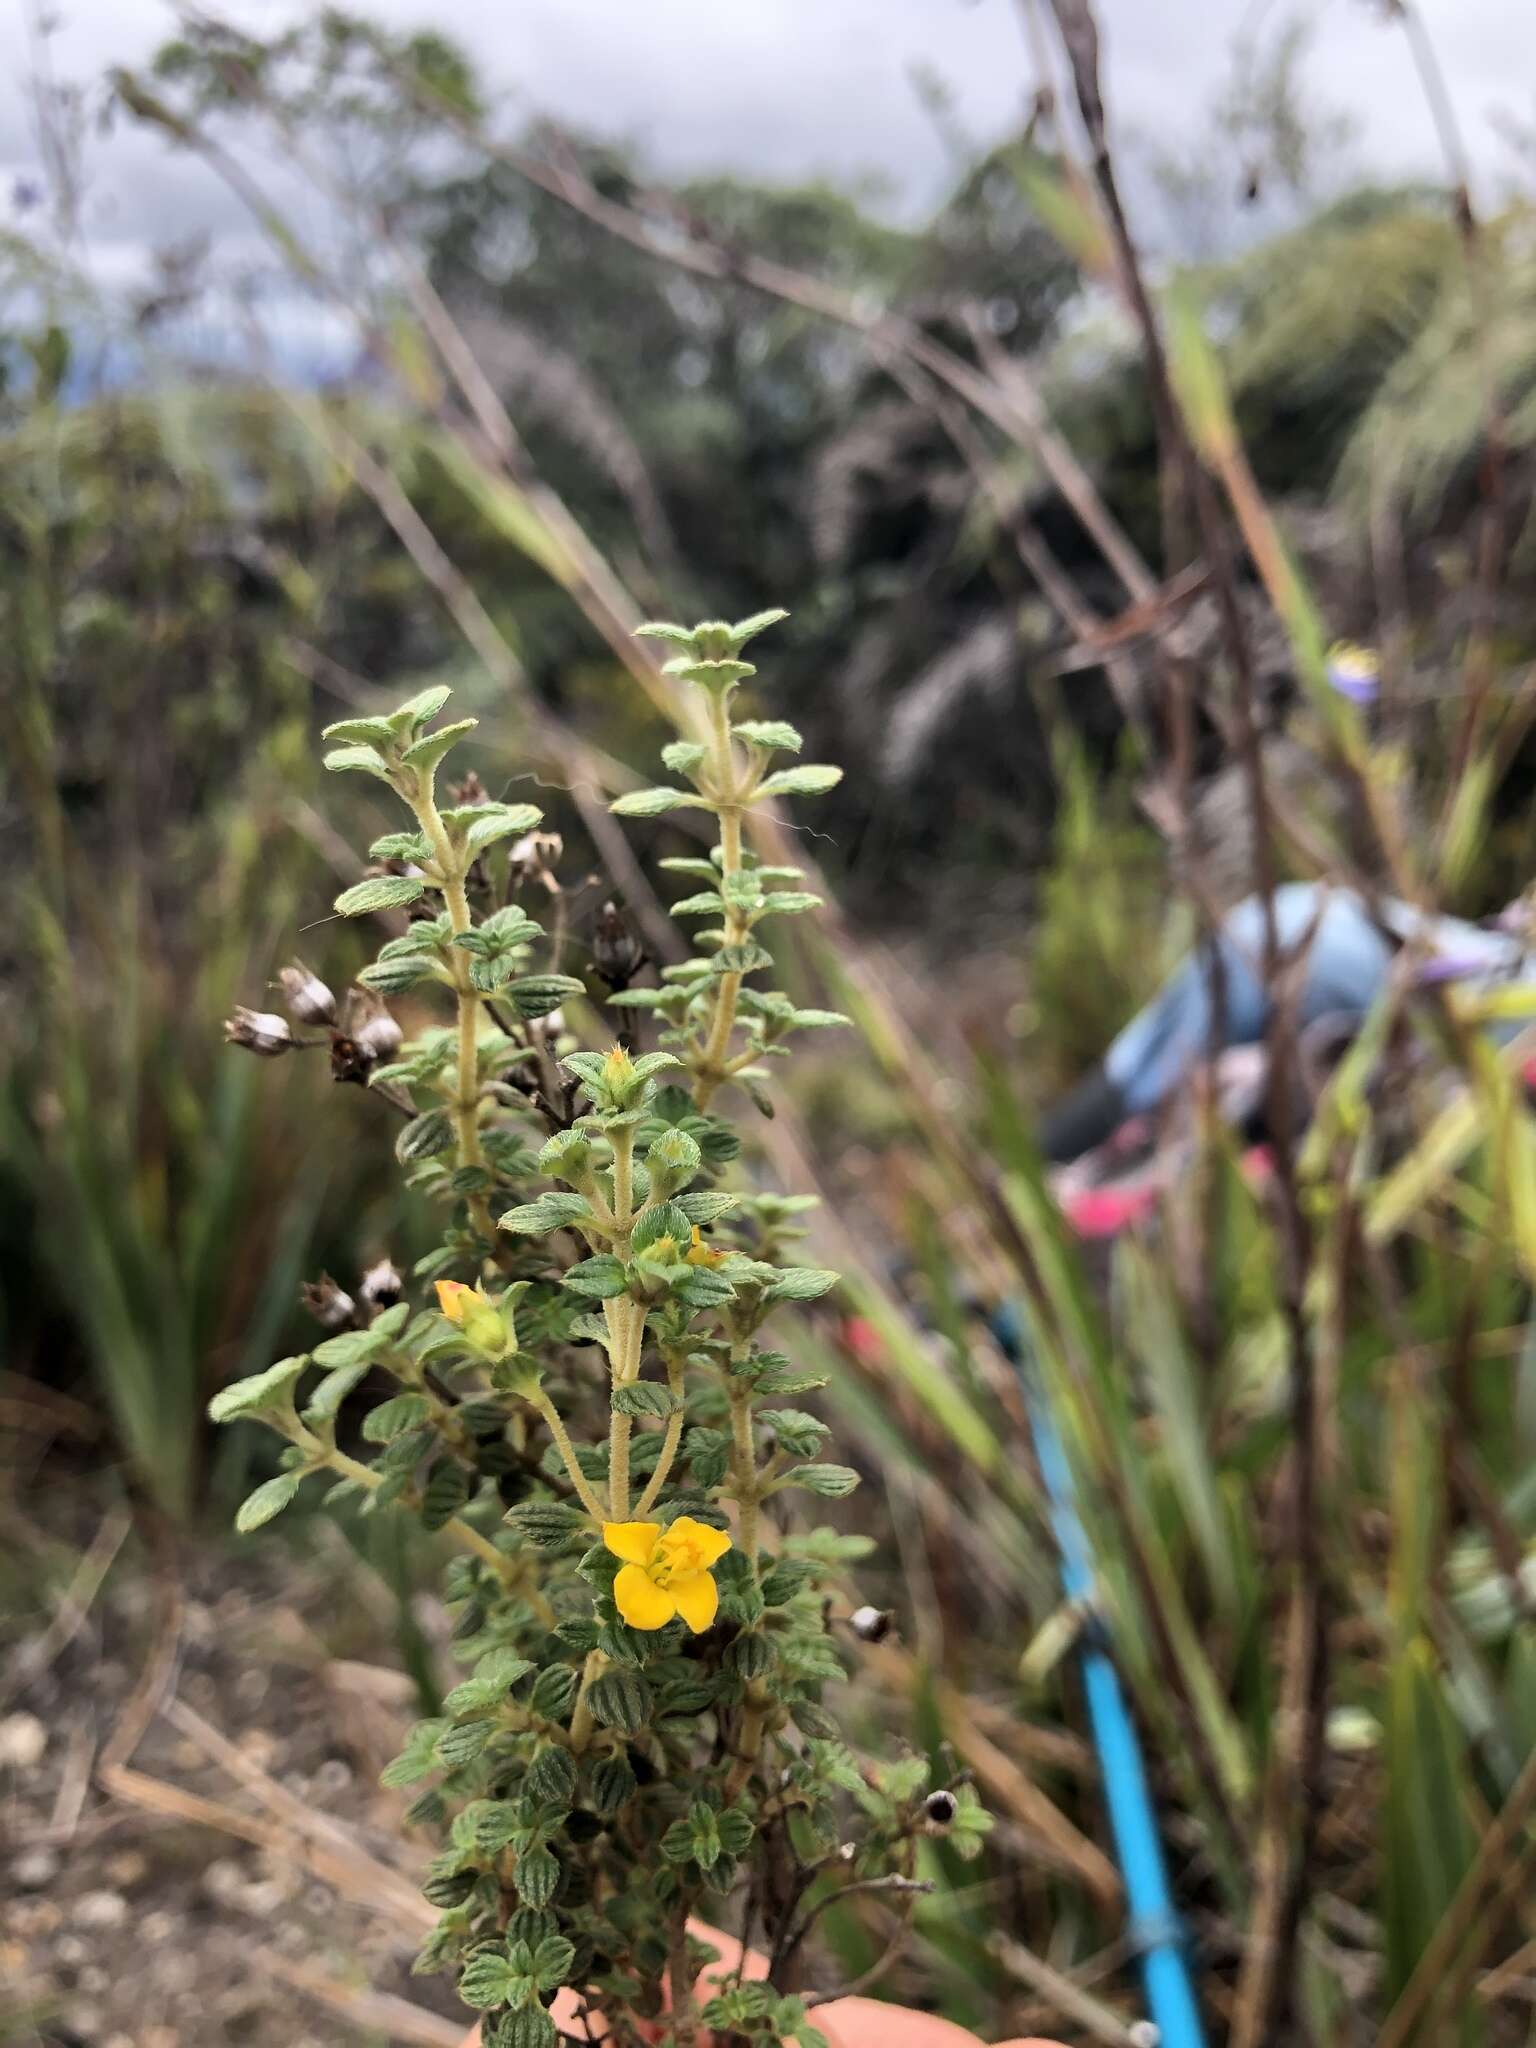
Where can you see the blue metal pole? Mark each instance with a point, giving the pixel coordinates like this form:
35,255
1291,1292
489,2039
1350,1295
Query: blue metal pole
1154,1927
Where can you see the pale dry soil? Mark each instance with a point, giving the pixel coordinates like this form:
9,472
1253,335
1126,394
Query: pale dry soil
125,1927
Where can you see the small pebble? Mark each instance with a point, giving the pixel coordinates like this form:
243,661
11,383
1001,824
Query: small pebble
35,1867
100,1909
332,1777
33,1919
222,1878
23,1738
198,1624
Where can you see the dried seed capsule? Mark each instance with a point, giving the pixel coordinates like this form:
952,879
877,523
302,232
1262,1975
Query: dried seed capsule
331,1306
617,953
309,1000
258,1031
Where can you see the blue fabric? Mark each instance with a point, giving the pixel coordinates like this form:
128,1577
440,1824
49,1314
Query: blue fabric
1346,968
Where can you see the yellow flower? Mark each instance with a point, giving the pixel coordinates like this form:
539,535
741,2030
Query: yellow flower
487,1327
701,1254
454,1299
666,1571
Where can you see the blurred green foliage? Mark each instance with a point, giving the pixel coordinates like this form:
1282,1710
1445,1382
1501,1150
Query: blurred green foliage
159,554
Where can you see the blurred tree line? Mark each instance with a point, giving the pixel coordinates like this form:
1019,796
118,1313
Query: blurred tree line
191,580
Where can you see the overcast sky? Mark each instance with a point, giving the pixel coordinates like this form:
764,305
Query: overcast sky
788,89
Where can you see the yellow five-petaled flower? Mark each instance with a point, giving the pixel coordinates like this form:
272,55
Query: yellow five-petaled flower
666,1571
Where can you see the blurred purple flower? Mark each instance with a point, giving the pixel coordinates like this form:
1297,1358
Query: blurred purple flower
1354,672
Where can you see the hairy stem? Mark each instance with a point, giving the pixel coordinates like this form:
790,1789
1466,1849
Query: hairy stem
466,1101
749,1737
623,1316
618,1466
623,1143
567,1450
685,2013
581,1713
672,1436
744,1469
712,1065
512,1572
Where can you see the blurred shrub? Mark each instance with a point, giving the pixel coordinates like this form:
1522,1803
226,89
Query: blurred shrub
156,742
1104,933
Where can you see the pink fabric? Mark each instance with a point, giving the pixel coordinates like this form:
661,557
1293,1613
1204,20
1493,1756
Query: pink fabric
862,1339
1258,1165
1104,1212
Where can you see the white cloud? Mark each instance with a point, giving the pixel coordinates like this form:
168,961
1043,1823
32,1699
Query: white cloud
790,89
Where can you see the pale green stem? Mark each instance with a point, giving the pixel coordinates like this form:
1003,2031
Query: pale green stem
627,1323
685,2011
567,1450
749,1739
618,1466
510,1570
744,1469
712,1067
622,1316
581,1716
671,1438
466,1101
623,1143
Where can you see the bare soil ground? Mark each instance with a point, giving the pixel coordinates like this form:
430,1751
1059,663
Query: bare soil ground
209,1887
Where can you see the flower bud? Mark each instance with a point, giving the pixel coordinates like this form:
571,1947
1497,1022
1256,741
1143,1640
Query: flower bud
672,1161
871,1624
618,1073
567,1156
701,1254
258,1031
331,1306
381,1286
309,1000
487,1329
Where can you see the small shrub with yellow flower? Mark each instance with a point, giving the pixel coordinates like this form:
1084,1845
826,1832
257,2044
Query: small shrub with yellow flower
589,1411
